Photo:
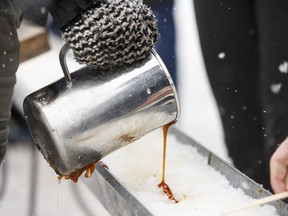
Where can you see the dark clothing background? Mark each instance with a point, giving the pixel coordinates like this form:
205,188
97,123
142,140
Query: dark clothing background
250,79
11,14
9,58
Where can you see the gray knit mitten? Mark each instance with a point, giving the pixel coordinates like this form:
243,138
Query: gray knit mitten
116,33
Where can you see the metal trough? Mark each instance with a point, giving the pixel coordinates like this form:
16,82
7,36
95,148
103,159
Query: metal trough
118,201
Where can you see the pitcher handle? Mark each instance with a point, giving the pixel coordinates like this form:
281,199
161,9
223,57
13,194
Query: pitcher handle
62,58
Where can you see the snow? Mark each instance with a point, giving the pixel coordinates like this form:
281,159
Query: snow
200,189
276,87
221,55
283,67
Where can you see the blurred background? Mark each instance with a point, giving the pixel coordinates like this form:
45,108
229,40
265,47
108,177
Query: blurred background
28,186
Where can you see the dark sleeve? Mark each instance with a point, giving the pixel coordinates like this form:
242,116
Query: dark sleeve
32,10
64,11
9,61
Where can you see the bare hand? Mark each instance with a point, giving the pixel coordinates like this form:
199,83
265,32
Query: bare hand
279,168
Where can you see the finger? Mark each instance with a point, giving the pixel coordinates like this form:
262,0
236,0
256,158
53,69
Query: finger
278,176
286,182
278,168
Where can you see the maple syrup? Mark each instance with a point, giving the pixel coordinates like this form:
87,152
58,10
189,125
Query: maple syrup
74,176
165,187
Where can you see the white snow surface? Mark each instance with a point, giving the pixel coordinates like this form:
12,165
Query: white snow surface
200,189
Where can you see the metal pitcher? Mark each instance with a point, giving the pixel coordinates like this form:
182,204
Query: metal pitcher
89,113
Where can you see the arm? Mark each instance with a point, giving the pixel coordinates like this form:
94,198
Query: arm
63,12
9,58
11,13
279,168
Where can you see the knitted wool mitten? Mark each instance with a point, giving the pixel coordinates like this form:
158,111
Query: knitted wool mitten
115,33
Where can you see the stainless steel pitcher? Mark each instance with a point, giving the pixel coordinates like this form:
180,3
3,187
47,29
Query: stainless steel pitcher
89,113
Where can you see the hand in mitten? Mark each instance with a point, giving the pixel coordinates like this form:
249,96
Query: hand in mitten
106,33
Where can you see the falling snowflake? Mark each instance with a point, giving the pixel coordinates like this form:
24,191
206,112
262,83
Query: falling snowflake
283,68
221,55
149,91
276,87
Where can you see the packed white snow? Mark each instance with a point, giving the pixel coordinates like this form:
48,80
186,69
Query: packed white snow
200,189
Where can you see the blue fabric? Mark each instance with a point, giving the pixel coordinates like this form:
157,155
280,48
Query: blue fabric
165,46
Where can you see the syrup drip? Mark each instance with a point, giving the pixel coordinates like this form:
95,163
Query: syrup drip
74,176
165,187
